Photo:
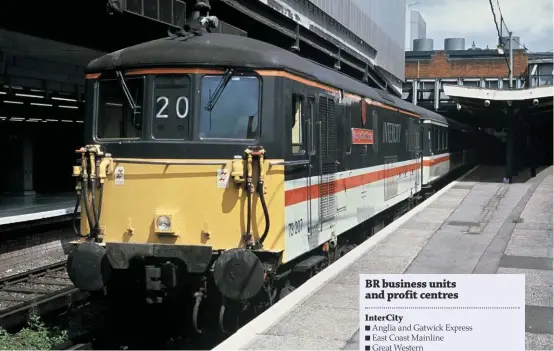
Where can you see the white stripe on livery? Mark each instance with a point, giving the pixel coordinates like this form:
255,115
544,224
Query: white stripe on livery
354,205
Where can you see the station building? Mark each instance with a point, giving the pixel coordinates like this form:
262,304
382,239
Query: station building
479,73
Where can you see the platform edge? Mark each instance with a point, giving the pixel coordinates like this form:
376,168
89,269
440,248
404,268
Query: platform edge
37,216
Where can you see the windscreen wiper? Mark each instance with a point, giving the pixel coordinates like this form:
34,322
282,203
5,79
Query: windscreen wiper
220,87
127,93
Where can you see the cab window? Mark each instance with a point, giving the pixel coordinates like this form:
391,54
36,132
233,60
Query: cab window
115,118
235,114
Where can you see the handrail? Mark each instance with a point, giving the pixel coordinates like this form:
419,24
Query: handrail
184,163
289,163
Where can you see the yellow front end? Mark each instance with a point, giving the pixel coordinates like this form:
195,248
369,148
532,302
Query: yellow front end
198,200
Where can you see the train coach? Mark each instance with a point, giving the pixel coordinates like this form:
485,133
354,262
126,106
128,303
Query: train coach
221,168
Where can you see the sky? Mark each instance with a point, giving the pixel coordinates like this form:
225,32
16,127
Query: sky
531,20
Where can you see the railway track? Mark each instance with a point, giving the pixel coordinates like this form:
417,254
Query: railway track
46,289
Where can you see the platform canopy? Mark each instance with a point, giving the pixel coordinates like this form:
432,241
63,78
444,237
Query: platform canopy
493,103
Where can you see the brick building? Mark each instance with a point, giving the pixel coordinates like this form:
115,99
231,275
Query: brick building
428,71
463,64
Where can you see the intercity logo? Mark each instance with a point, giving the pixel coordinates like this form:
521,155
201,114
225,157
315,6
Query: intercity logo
361,136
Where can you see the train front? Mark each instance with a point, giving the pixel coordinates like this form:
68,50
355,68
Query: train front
176,188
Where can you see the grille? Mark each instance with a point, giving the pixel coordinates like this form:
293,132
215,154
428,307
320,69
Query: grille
328,147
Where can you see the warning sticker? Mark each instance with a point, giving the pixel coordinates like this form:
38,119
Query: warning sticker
119,175
222,178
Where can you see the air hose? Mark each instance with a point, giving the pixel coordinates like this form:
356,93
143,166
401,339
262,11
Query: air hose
100,196
94,209
264,207
94,218
249,209
87,211
75,229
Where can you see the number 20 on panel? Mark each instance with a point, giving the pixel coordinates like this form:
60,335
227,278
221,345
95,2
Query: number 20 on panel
182,101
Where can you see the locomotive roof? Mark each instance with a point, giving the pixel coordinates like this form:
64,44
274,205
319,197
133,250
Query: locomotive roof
216,49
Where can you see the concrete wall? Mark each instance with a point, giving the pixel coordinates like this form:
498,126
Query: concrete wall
39,63
418,27
34,250
379,23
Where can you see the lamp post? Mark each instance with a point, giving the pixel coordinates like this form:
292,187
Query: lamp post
500,49
511,62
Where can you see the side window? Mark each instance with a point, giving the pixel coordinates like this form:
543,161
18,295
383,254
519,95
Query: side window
311,123
447,139
297,140
430,139
436,132
172,107
406,138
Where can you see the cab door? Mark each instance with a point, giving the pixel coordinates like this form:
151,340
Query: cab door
419,149
415,155
311,149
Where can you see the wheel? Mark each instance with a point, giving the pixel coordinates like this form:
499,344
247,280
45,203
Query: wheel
285,291
339,252
349,248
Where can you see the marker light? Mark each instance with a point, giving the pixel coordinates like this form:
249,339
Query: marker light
163,223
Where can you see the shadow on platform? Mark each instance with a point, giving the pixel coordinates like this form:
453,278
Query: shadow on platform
496,174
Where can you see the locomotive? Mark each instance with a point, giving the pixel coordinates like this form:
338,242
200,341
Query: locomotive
221,170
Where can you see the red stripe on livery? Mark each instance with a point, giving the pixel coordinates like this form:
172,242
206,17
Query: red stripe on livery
298,195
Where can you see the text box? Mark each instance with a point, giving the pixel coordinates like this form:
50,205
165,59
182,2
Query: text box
432,312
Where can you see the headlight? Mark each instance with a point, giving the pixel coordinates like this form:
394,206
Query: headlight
163,223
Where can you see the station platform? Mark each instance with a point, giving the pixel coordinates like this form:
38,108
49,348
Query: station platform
473,225
21,209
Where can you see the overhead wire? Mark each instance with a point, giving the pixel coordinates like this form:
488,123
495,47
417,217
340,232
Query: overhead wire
504,24
498,30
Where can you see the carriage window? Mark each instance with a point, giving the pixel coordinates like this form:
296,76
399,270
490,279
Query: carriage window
172,107
116,119
297,145
235,114
430,140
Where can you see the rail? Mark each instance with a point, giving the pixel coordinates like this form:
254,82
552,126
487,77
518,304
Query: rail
78,346
47,288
